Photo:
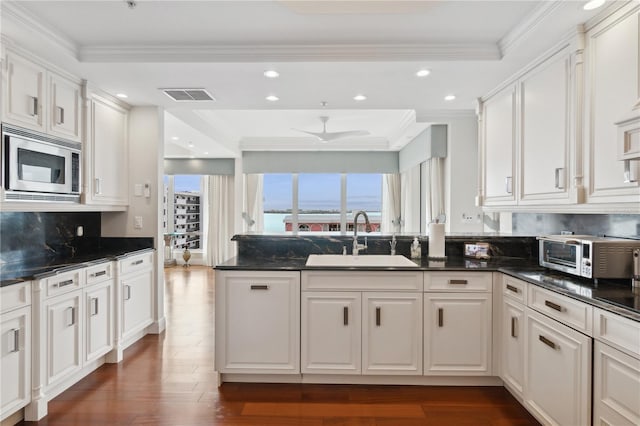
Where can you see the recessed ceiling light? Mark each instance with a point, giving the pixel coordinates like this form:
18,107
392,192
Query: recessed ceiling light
122,95
359,97
272,98
271,74
190,144
206,153
449,97
593,4
175,138
423,73
192,156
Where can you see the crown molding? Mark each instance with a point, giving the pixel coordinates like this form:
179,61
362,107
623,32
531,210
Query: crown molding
15,13
290,53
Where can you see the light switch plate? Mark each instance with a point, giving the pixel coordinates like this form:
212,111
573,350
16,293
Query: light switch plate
137,190
137,222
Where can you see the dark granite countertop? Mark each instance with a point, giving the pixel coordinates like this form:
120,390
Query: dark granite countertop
615,296
38,268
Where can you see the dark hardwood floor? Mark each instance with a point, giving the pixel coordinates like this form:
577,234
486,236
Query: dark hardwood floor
169,379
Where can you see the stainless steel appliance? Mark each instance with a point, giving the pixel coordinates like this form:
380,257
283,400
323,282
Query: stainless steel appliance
588,256
39,167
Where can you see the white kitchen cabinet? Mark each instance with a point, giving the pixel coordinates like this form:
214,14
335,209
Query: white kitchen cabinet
257,322
64,107
331,332
99,319
498,148
136,292
15,348
612,56
106,152
557,379
513,341
457,334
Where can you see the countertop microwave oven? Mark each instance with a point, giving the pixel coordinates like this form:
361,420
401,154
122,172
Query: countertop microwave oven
588,256
39,167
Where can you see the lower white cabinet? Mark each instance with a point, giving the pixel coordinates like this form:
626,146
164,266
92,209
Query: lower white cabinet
15,349
98,320
557,372
137,292
513,341
257,322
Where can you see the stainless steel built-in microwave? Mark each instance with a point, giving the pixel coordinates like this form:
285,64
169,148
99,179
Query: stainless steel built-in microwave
39,167
588,256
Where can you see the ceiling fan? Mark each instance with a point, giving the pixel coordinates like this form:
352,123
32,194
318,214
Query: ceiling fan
325,136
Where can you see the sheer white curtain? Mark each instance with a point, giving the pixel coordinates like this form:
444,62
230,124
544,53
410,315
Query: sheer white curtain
410,196
434,190
391,203
254,210
220,226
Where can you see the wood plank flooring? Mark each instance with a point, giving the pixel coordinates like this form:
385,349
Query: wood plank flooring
168,379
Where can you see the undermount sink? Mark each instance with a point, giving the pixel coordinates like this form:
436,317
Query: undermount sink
362,260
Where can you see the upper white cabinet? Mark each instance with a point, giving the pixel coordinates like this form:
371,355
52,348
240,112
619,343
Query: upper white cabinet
41,99
612,90
106,152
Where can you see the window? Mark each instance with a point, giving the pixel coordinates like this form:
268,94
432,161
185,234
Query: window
320,202
182,210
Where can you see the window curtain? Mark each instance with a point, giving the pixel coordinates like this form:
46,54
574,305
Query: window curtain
434,194
391,203
410,199
220,226
254,210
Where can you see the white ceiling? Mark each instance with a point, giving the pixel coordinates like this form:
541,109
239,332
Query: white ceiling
324,51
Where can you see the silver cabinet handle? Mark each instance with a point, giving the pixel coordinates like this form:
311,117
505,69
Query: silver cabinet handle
547,342
34,106
514,327
59,115
137,262
440,317
73,316
627,173
127,292
345,315
99,273
63,283
259,287
378,316
560,178
459,282
16,340
508,184
512,288
97,189
553,306
94,306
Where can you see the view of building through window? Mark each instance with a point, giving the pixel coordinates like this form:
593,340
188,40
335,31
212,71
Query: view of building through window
183,210
320,201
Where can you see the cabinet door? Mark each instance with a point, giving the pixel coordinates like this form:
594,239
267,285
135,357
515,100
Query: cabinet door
258,322
457,334
392,333
330,324
557,372
616,387
64,335
498,142
15,360
612,54
99,320
137,295
64,107
108,154
24,97
513,345
544,167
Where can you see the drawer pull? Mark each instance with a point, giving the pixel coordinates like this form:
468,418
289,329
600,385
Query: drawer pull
345,315
459,282
127,292
514,327
137,262
259,287
553,305
440,317
99,273
94,306
16,340
547,342
512,288
63,283
378,315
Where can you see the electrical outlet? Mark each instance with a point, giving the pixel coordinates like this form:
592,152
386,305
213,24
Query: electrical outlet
137,222
468,218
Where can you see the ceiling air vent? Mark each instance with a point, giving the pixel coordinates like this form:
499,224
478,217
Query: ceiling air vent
188,95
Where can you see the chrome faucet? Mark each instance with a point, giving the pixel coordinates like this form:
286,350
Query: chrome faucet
356,246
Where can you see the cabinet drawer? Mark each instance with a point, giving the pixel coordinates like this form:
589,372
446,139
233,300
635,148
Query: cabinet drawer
571,312
458,281
63,283
135,263
99,273
514,289
617,331
15,296
361,280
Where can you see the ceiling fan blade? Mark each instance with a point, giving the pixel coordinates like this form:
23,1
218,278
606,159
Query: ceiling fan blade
318,135
331,136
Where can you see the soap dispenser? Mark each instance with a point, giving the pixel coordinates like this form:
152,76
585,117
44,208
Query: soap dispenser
416,251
